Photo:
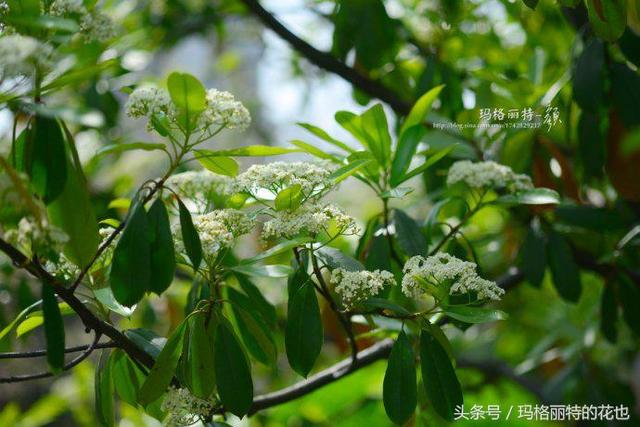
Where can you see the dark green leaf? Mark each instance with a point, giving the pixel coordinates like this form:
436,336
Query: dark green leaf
127,377
335,258
53,329
407,146
431,160
130,268
531,3
609,313
608,18
257,301
276,270
533,256
163,370
408,234
630,300
199,357
104,390
163,261
565,271
147,340
630,45
48,166
475,314
438,376
592,147
400,390
387,305
233,372
625,87
303,335
190,236
289,198
119,148
588,82
537,196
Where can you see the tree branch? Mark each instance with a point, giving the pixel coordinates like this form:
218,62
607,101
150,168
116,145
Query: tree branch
90,321
43,352
328,62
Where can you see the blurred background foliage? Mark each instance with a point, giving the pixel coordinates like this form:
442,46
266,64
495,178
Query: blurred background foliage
488,54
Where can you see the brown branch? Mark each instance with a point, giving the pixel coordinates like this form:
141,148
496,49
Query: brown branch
90,321
328,62
43,352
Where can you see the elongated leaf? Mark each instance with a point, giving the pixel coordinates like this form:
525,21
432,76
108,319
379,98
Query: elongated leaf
608,17
119,148
163,370
190,236
130,268
163,260
537,196
587,79
475,314
565,271
303,334
408,234
346,171
335,258
376,130
273,271
53,329
253,329
438,376
218,164
533,256
127,377
352,123
233,372
630,300
23,314
104,390
396,193
200,358
407,146
609,313
248,151
325,136
48,166
420,109
147,340
289,198
257,301
431,160
387,305
400,389
282,247
313,150
189,96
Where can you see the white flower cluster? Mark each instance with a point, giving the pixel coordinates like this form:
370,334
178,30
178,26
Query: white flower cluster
147,101
223,110
313,177
38,238
94,25
217,230
442,270
199,186
310,218
488,175
185,409
22,56
356,286
63,268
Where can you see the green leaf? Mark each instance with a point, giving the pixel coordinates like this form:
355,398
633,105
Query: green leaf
233,372
591,144
326,137
273,271
36,319
400,389
163,370
352,123
130,269
396,193
199,357
431,160
247,151
387,305
438,376
257,301
531,4
407,146
281,247
48,166
313,150
533,256
104,390
420,110
376,130
23,314
147,340
189,96
73,212
254,331
119,148
346,171
53,329
335,258
537,196
565,271
630,300
220,165
190,236
609,313
408,234
163,261
127,377
289,198
608,18
625,87
303,334
587,79
475,314
44,22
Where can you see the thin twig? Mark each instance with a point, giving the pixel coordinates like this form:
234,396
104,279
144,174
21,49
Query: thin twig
43,352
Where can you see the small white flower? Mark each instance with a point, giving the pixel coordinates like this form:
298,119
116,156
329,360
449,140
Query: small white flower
63,268
147,101
311,219
488,175
223,110
94,25
38,238
184,409
201,187
276,176
442,270
357,286
64,7
22,56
